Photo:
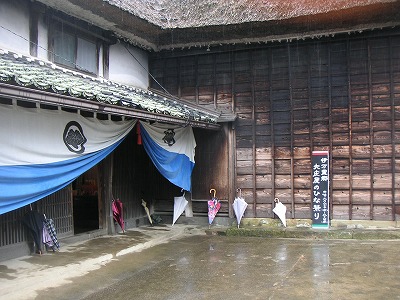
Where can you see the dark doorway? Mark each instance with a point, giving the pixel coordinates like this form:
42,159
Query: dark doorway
86,201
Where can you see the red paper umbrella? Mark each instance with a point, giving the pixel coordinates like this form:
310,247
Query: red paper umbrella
118,213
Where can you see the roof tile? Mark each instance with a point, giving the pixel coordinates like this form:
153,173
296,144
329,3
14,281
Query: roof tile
31,72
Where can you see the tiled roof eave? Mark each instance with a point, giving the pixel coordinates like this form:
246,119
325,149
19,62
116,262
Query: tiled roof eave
26,71
43,97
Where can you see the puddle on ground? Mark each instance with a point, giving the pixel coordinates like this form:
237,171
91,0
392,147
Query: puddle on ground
5,272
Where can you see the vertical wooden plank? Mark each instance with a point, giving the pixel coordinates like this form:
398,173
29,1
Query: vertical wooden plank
68,206
253,132
350,130
371,132
2,230
232,59
106,60
310,112
214,80
233,136
7,230
291,133
231,167
196,80
12,232
393,127
178,78
234,105
272,128
330,129
107,167
33,28
101,202
232,140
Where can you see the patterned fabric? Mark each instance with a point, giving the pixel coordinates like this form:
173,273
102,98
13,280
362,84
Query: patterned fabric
47,240
213,207
51,230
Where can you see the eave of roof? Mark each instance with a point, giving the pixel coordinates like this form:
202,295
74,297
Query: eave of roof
144,22
169,14
95,94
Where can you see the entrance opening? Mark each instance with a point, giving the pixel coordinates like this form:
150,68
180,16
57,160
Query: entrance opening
86,201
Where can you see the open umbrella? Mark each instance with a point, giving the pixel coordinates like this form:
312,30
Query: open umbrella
280,211
179,206
117,210
239,206
213,207
144,204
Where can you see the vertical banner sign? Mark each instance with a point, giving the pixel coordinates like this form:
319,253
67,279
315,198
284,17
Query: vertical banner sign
320,189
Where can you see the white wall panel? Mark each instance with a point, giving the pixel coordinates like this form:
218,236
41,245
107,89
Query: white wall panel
14,26
124,68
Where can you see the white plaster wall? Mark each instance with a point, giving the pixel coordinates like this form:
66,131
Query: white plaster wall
14,36
14,26
126,69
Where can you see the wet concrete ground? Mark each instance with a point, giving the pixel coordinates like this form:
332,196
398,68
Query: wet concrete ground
249,268
192,265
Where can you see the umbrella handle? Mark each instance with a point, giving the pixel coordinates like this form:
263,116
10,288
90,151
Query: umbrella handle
276,200
214,192
239,190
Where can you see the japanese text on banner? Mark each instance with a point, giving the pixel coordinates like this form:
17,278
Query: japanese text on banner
320,188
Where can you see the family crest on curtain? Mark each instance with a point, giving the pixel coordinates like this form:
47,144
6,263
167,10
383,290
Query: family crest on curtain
45,150
172,149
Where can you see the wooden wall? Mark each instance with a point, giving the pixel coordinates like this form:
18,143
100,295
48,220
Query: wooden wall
340,94
14,237
210,171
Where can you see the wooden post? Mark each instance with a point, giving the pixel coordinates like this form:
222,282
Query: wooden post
33,29
107,196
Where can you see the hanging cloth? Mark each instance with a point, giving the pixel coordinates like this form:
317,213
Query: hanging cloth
45,150
51,230
171,149
33,220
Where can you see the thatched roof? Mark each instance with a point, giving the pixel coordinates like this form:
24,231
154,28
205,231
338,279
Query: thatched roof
166,24
199,13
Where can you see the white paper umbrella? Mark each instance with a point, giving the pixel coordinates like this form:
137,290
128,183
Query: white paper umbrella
144,204
280,211
179,206
239,206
